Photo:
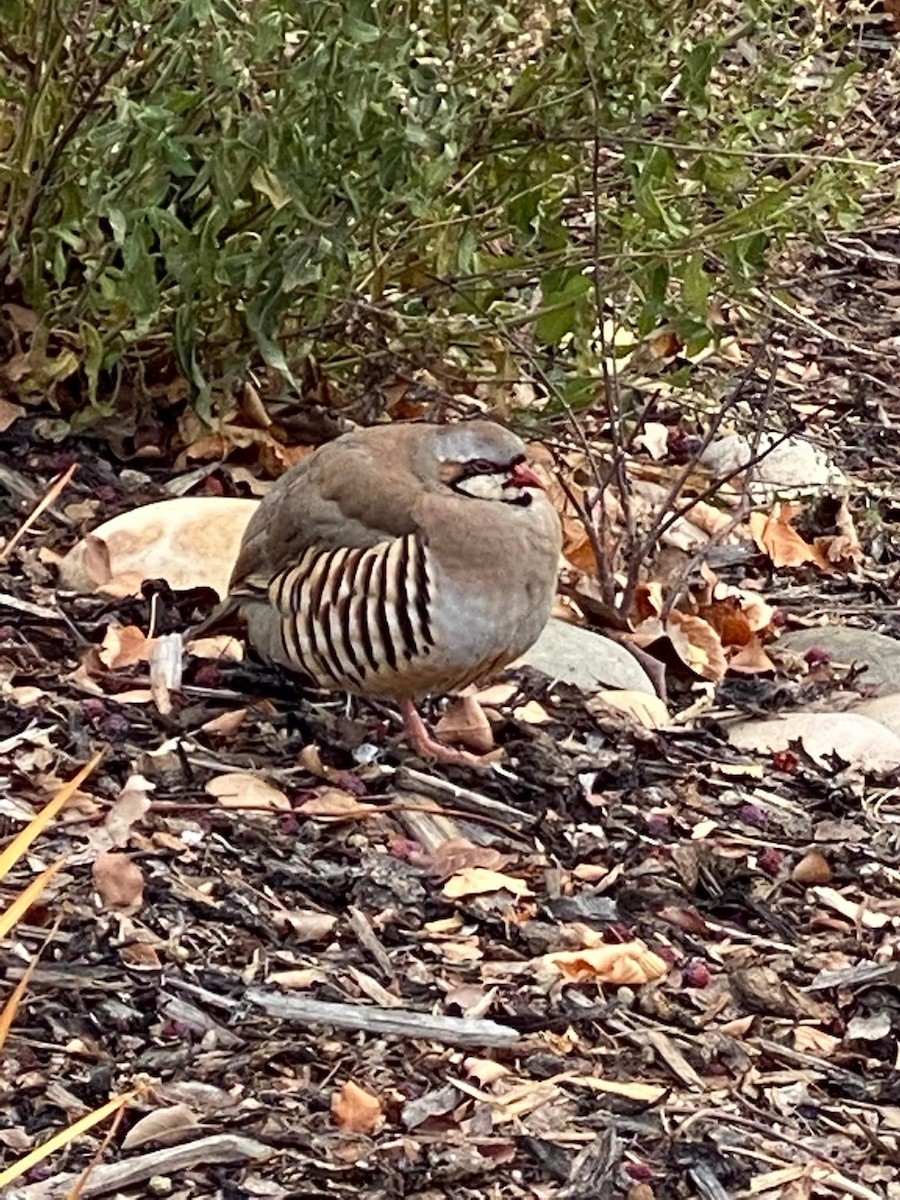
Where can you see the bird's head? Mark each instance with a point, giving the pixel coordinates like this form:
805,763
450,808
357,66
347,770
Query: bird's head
485,461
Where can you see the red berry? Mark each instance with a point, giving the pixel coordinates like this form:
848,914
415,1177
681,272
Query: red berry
786,761
769,861
695,974
638,1171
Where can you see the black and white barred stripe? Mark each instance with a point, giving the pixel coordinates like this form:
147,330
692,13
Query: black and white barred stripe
349,615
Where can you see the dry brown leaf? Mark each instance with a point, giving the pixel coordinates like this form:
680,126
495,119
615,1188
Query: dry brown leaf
238,789
253,408
9,414
811,1040
478,881
649,711
299,978
125,645
629,963
698,645
775,536
356,1110
465,724
739,1027
728,620
709,519
227,723
457,854
665,344
119,882
860,913
461,952
223,647
135,696
594,872
129,583
847,530
577,546
497,695
471,1000
306,925
311,759
162,1127
648,601
485,1070
644,1093
341,806
758,612
140,955
752,659
694,641
445,927
130,806
532,713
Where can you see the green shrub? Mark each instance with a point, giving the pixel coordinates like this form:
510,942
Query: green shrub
250,180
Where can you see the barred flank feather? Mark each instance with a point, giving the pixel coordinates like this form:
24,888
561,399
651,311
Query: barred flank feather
350,615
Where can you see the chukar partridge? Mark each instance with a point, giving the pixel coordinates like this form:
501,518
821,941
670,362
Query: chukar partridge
401,560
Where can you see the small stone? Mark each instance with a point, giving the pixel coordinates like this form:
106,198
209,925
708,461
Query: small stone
813,868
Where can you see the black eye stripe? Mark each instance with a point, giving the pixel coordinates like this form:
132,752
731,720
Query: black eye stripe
486,466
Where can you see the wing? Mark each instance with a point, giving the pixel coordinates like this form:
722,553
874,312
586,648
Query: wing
339,497
354,618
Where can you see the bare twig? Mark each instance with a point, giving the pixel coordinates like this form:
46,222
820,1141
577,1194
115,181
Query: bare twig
742,509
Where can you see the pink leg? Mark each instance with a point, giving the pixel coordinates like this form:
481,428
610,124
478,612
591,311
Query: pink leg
429,747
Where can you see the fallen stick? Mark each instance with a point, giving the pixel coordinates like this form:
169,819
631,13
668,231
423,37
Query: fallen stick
401,1022
111,1177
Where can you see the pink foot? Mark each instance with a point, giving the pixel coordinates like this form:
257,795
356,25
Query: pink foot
422,741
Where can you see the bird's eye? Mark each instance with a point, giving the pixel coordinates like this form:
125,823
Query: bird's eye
481,466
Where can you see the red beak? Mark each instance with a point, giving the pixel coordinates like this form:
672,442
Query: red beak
522,476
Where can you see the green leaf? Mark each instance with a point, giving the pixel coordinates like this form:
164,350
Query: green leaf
362,32
466,251
695,74
564,306
695,285
139,285
119,223
93,358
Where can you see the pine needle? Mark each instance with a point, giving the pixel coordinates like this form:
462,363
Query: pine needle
21,842
65,1137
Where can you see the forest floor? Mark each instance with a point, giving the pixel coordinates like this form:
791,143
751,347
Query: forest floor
630,962
764,1059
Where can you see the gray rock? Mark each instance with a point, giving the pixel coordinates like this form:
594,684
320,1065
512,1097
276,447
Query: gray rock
879,654
786,461
586,660
854,739
883,709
